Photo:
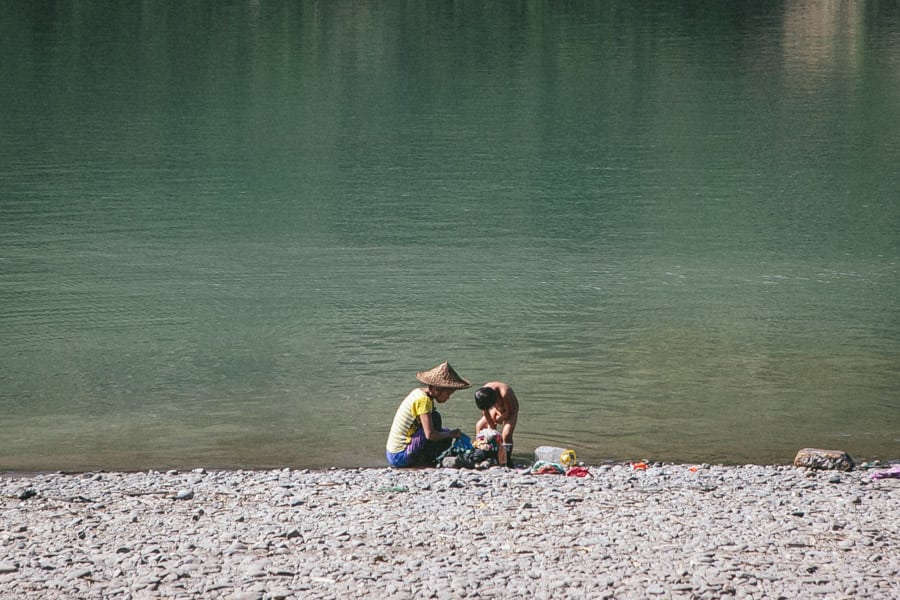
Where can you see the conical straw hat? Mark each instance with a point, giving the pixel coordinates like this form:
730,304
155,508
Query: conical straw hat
443,376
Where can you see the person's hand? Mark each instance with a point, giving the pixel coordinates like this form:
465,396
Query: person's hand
456,433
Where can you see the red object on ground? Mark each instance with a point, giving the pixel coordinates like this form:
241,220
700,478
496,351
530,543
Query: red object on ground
578,472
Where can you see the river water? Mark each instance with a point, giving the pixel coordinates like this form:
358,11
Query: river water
231,232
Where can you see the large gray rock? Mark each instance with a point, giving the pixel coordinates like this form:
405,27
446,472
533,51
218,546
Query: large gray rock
815,458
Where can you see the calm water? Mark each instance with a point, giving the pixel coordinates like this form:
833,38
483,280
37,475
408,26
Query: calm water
231,232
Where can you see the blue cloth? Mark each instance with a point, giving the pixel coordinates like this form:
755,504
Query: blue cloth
463,442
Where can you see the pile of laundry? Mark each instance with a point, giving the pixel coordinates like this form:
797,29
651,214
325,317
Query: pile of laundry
483,452
487,450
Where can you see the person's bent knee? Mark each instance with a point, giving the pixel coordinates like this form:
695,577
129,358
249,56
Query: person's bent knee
398,459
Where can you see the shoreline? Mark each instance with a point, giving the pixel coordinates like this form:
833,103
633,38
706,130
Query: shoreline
670,530
521,462
520,466
374,458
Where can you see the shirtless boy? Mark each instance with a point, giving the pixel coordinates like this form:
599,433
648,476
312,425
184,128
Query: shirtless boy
499,410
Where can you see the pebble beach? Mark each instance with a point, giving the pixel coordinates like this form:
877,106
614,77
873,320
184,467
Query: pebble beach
658,531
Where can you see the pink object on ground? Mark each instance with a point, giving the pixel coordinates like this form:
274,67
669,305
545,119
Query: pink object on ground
892,473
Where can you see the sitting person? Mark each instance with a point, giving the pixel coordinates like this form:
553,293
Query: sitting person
416,436
499,410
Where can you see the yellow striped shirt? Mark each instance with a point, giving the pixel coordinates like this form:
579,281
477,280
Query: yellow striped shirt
406,421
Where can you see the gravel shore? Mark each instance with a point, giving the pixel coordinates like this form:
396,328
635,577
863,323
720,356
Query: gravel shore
667,531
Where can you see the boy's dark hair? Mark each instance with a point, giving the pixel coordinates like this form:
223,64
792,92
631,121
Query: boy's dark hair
485,397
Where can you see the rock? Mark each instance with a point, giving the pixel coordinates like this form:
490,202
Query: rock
245,595
79,574
6,567
814,458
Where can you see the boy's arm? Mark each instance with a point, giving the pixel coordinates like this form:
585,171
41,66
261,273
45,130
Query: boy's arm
501,410
487,417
